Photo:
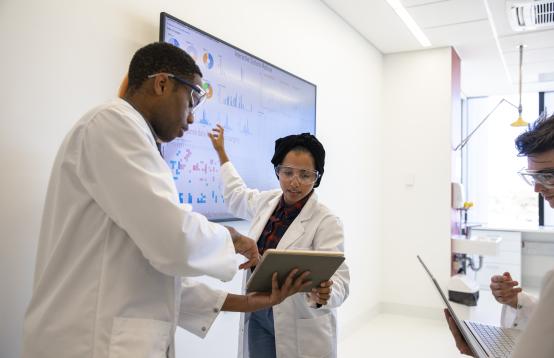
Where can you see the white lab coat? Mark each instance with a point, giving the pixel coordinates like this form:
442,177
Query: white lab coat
114,245
536,339
518,317
301,330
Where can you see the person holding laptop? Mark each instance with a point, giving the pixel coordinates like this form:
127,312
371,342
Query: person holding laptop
305,324
537,144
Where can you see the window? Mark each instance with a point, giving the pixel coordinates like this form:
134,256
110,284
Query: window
490,163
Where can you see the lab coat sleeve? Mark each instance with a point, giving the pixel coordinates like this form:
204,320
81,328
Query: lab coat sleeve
240,200
518,317
536,340
200,306
330,237
126,176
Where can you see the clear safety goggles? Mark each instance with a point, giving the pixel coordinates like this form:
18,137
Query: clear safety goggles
304,176
197,93
544,177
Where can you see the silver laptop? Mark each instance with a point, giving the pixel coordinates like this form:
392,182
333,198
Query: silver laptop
485,341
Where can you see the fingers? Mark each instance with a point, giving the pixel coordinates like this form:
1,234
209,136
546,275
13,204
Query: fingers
253,260
325,287
249,250
290,277
461,343
504,289
274,282
450,321
322,294
246,247
321,297
216,135
508,276
503,285
217,132
505,296
323,290
290,286
212,138
302,281
295,285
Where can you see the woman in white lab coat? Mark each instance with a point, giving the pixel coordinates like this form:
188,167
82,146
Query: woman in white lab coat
304,325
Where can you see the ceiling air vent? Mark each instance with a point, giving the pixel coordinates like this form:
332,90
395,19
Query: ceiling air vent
531,15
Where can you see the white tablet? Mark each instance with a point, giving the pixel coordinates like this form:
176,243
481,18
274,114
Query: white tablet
321,264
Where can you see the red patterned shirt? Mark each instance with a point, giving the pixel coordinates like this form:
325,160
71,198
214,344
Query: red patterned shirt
279,222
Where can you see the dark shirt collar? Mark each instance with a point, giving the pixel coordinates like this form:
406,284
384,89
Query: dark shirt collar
290,212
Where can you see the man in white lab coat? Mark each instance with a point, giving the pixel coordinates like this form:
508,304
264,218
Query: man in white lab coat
115,245
521,310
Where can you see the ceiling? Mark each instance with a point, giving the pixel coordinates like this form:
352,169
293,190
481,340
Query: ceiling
465,25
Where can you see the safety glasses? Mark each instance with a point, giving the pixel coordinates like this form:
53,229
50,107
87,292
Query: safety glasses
197,93
305,176
544,177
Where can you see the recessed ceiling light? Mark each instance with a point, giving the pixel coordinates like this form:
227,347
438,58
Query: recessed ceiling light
409,21
495,35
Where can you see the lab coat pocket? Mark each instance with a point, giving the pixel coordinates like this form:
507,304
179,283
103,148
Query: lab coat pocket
315,337
139,338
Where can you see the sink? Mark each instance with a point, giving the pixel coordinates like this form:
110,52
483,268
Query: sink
476,245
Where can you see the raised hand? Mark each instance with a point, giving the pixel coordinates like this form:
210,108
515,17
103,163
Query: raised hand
504,289
218,142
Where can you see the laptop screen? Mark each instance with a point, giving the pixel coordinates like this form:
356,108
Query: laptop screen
447,303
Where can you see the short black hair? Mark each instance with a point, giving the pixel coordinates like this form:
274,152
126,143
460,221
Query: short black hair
160,57
539,138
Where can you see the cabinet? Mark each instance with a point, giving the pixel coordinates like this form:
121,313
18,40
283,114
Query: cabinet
507,260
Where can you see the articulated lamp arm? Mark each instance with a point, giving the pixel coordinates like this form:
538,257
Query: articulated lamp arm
466,139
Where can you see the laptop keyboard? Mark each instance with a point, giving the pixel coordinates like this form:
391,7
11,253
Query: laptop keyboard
497,341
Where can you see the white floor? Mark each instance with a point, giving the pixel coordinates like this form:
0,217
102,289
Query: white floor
390,335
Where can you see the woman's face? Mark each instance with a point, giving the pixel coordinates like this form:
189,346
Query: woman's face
296,167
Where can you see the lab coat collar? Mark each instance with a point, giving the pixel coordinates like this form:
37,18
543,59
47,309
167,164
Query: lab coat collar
259,223
143,123
297,228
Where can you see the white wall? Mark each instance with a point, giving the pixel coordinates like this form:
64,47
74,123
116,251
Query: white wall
416,177
60,58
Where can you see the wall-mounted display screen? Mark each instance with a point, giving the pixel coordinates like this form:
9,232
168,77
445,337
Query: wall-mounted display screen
253,100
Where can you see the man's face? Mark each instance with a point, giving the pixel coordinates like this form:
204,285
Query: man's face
543,161
174,111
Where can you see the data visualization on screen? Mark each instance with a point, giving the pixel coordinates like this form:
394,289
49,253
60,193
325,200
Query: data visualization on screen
253,100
